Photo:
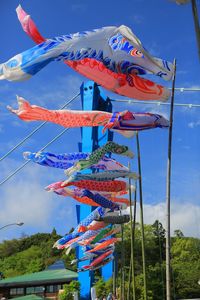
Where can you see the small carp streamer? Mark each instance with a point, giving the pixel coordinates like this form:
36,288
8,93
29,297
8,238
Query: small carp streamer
100,200
75,243
67,160
103,176
114,219
92,185
94,225
87,256
111,56
97,260
97,155
104,233
61,161
125,122
79,195
104,244
99,211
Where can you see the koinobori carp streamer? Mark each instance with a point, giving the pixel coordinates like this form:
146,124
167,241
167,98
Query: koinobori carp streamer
92,185
103,176
111,56
125,122
97,155
67,160
114,219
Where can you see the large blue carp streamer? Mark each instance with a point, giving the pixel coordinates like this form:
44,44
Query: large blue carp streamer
116,47
111,56
127,84
99,211
97,155
100,200
67,160
108,175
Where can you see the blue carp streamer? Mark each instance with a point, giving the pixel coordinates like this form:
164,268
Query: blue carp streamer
99,199
67,160
116,47
98,212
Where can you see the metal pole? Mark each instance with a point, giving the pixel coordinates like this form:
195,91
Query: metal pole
114,274
18,224
141,218
196,23
168,189
129,280
134,222
122,265
132,240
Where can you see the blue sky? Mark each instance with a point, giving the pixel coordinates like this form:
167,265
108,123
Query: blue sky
167,31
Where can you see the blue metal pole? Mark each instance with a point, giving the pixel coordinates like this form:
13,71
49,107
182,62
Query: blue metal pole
92,137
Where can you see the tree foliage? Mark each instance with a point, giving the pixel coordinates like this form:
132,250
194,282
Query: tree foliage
69,289
34,253
30,254
185,264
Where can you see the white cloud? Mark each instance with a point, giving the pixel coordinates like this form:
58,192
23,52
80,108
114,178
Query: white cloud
78,7
23,198
184,216
137,19
194,124
1,128
153,48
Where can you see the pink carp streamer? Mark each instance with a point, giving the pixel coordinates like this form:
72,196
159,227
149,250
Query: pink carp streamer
65,118
94,225
105,244
98,260
113,196
92,185
125,122
77,194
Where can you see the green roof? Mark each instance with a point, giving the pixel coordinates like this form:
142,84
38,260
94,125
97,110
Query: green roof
43,277
29,297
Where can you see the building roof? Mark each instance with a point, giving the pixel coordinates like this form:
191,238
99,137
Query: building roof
57,273
29,297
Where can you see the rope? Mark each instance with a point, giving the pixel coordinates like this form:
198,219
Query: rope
132,233
196,24
35,130
130,101
168,193
141,217
161,261
24,164
122,264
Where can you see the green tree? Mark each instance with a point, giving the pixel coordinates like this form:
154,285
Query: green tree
30,254
69,289
178,233
186,266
